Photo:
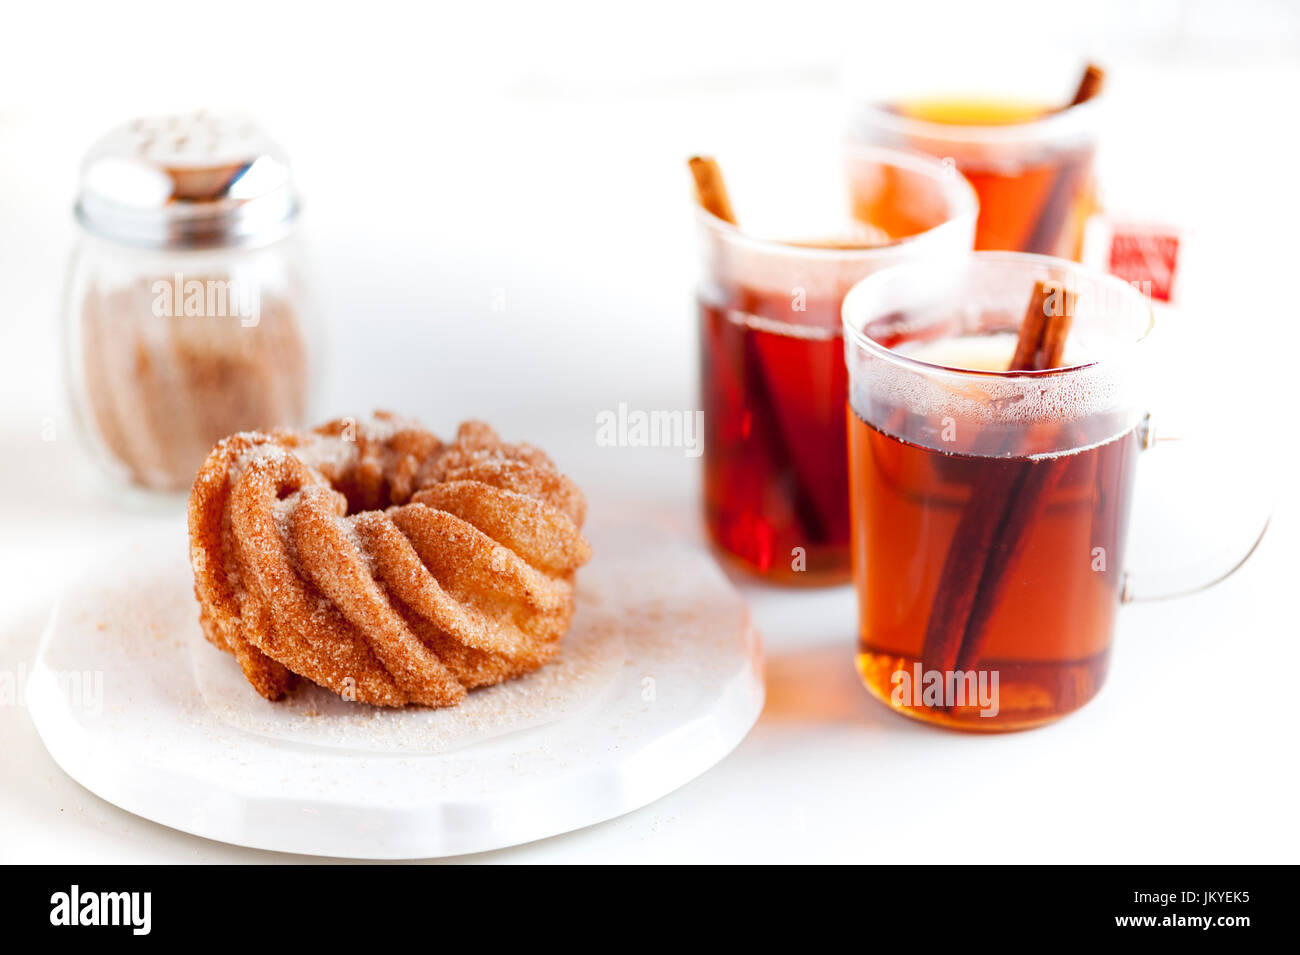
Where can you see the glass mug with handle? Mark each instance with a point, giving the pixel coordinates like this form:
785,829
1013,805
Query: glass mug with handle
990,508
1026,146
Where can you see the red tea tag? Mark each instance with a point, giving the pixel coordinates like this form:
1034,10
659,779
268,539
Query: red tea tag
1145,256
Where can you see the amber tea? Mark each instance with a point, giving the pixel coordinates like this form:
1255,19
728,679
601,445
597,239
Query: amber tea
993,435
995,563
1031,162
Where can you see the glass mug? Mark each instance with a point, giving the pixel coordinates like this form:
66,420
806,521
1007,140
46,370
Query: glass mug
990,508
772,375
1030,163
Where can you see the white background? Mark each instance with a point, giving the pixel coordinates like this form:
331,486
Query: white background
457,156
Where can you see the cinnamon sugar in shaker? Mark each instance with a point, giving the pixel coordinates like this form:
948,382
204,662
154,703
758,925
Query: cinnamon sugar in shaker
187,316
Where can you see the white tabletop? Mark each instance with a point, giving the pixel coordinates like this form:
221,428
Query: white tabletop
528,259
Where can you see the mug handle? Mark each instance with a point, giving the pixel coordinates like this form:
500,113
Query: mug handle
1211,569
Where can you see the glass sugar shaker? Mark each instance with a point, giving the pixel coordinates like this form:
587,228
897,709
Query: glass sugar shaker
186,312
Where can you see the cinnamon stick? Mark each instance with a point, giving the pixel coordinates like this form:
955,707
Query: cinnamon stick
1047,227
1059,308
1090,84
1046,326
807,510
710,189
711,193
1001,510
1031,330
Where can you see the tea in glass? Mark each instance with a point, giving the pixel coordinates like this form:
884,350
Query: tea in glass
772,376
990,507
1031,162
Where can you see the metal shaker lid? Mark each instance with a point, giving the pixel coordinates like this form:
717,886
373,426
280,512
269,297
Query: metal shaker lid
187,181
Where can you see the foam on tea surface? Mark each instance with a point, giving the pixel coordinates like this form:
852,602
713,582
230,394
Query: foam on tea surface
948,409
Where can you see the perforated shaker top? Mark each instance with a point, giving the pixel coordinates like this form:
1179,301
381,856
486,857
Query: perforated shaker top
187,181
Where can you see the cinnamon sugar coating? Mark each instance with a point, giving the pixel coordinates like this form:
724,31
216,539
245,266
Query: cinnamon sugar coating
377,561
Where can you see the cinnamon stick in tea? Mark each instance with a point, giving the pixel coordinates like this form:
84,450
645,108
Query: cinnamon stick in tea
1030,341
710,189
1041,343
996,519
1090,84
711,193
1047,227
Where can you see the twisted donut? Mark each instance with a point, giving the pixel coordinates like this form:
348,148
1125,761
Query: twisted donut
374,560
